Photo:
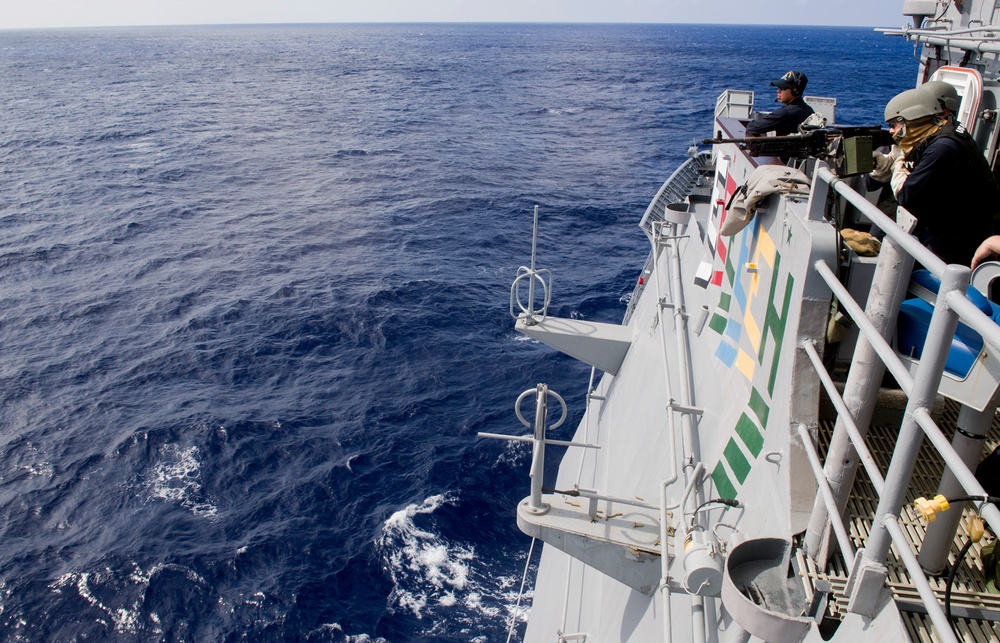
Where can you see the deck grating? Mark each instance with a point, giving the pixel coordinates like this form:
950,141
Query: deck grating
969,589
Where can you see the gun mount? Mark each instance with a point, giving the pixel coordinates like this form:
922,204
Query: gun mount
847,149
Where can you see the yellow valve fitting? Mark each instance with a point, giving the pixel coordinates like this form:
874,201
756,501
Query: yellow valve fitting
929,509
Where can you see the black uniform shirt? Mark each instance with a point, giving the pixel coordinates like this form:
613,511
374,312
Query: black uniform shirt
782,121
952,193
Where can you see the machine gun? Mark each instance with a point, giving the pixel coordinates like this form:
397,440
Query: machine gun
847,149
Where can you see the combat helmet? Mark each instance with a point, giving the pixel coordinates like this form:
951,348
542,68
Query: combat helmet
944,92
912,105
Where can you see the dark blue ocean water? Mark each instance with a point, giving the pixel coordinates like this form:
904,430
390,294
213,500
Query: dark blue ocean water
253,303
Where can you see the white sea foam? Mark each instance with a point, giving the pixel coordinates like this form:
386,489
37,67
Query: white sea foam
40,467
126,620
443,581
177,477
425,569
513,453
563,111
335,628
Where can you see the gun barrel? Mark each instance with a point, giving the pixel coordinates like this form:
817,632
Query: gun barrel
810,138
807,136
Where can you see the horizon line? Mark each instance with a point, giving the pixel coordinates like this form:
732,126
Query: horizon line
439,22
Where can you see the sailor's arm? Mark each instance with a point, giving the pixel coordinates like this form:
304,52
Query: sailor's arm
765,123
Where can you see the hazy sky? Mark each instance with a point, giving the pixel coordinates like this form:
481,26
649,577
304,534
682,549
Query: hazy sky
17,14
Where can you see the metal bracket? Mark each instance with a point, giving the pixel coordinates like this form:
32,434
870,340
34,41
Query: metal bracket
866,582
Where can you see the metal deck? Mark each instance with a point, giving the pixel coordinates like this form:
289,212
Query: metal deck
969,591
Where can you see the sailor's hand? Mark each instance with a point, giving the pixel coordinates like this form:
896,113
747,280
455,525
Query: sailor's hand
883,167
987,250
884,163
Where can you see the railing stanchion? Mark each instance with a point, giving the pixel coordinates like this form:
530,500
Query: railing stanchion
942,327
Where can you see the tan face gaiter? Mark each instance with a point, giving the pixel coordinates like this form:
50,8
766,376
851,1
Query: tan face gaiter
916,132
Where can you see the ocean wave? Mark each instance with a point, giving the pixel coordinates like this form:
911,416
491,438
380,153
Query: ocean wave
334,633
424,567
440,581
176,477
364,152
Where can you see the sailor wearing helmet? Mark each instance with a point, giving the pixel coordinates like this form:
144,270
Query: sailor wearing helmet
939,175
946,95
786,119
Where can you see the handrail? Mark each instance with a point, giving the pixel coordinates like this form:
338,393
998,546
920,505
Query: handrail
974,318
965,477
843,540
907,242
857,315
951,306
852,428
934,609
640,285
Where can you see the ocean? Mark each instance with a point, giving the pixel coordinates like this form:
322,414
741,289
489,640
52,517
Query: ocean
255,292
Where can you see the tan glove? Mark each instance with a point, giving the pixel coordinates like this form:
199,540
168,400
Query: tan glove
883,166
861,242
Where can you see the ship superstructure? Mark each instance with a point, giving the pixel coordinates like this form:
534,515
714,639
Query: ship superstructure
741,473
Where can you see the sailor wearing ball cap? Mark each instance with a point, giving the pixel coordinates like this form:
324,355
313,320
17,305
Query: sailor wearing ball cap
787,118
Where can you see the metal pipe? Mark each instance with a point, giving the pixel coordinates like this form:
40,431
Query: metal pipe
590,494
680,334
892,230
737,634
531,281
976,320
524,438
864,454
843,540
957,43
692,450
671,424
698,619
934,611
961,472
538,453
665,564
872,355
967,443
570,562
907,32
699,467
871,333
942,327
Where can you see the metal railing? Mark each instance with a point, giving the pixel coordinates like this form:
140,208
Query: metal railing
868,573
676,189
